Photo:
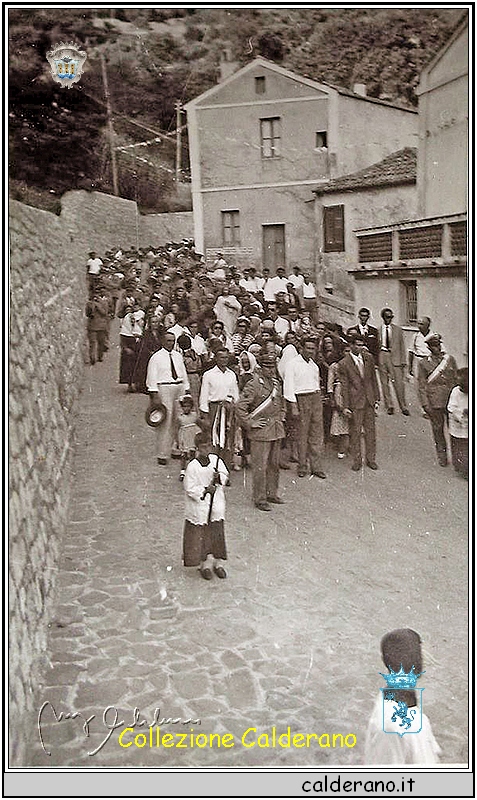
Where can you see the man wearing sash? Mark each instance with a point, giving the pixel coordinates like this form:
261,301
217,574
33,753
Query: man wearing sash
437,376
261,412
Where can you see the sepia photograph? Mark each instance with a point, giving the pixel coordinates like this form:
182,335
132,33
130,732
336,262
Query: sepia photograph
238,355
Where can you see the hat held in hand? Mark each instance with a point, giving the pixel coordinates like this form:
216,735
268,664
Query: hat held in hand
156,415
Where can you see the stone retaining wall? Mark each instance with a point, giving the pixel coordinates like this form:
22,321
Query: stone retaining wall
114,222
47,297
46,363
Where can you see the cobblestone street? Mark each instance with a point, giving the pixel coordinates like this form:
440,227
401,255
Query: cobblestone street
290,639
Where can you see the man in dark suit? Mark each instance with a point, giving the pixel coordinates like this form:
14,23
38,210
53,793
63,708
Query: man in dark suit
360,399
369,333
392,361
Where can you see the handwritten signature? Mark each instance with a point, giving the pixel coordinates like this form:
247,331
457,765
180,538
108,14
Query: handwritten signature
110,721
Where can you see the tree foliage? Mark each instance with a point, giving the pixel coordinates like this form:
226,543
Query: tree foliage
155,57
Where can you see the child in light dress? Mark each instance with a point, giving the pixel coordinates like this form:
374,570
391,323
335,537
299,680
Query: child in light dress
458,410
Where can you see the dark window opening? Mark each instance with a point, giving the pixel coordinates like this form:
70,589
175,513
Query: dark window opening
260,85
321,139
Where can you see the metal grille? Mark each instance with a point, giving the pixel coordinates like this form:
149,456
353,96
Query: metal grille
410,289
377,247
423,242
458,237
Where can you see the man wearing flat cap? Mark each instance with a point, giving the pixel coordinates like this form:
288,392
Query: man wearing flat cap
437,376
261,412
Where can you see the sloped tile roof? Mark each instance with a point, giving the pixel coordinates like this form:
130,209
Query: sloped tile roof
398,168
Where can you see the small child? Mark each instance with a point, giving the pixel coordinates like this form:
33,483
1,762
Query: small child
203,543
188,429
458,408
400,647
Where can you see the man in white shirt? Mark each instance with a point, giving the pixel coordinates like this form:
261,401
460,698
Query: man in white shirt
93,268
166,381
218,393
250,281
281,325
274,285
301,388
419,348
309,297
296,278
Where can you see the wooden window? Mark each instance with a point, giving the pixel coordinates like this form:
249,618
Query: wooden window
410,301
270,135
260,85
231,227
333,225
321,139
458,237
422,242
376,247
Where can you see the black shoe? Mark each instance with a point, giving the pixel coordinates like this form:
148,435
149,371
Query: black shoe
284,466
443,461
319,474
301,473
206,573
390,410
277,500
262,506
372,464
220,572
405,411
356,466
162,461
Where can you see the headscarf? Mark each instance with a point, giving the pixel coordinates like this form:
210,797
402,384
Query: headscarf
252,360
289,352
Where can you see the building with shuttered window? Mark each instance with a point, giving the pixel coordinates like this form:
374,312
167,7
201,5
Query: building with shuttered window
385,191
417,264
261,141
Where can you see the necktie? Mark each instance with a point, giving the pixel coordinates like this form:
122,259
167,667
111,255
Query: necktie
361,366
173,369
387,338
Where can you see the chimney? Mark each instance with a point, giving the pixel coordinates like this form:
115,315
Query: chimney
227,65
359,88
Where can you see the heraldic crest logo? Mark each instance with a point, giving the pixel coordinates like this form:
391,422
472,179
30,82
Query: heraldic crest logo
398,717
66,62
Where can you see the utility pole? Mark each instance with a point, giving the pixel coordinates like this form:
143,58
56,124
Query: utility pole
110,126
178,141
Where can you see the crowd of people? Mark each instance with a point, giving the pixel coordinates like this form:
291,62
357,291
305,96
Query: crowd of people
243,362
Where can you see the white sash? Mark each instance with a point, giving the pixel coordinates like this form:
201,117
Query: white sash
439,369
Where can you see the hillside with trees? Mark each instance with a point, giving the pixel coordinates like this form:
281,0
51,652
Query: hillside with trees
157,57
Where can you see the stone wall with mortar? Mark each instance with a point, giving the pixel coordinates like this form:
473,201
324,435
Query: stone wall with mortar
113,222
47,297
46,363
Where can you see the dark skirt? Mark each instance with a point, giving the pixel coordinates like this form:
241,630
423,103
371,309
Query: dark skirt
129,348
200,540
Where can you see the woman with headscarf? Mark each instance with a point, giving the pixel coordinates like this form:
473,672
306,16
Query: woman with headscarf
130,334
150,342
398,709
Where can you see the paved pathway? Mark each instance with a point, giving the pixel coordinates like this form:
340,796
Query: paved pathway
290,639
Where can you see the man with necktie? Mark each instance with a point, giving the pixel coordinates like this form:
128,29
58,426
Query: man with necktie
166,381
392,361
360,391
